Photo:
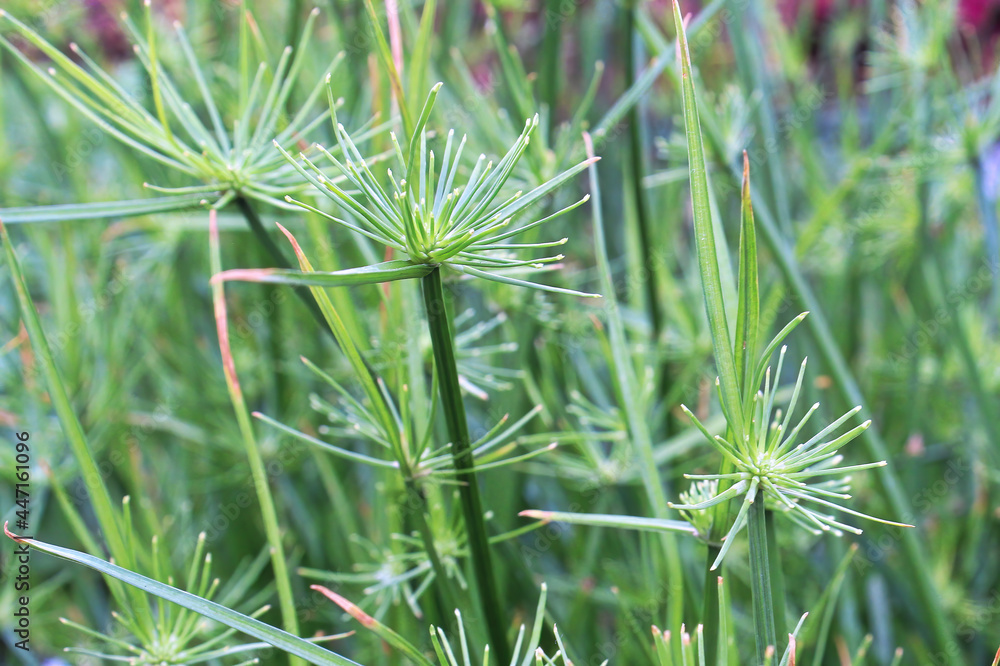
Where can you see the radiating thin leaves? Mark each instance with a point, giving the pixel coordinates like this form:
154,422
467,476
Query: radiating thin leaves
248,625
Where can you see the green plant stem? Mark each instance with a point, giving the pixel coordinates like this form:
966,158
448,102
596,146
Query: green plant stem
549,69
634,171
777,584
261,484
710,608
760,578
443,342
628,388
257,227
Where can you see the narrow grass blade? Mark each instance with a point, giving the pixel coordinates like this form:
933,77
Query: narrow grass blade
629,390
256,461
100,210
271,635
419,59
705,239
384,632
609,520
385,55
748,311
387,271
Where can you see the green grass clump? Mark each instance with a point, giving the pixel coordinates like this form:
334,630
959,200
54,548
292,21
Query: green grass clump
533,384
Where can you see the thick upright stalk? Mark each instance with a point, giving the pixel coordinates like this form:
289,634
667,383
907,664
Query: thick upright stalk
710,608
443,342
760,579
777,584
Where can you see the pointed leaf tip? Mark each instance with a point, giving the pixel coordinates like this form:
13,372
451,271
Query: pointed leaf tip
291,239
15,537
349,607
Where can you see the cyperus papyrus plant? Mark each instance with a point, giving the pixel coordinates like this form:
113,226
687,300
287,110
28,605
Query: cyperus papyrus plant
157,639
219,143
434,218
760,460
216,143
438,219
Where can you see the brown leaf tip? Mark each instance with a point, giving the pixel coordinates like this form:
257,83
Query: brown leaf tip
11,534
349,607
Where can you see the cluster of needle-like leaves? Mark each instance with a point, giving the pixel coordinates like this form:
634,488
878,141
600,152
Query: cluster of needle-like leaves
526,649
225,148
692,647
793,476
436,215
352,419
179,635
